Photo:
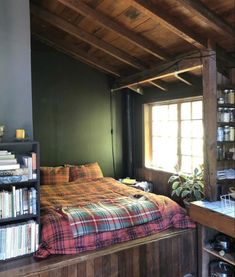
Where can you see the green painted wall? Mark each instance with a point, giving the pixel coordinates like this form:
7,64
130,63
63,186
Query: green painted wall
71,112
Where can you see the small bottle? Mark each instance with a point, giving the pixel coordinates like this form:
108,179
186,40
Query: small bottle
231,99
231,114
226,115
220,114
231,133
226,133
220,100
220,134
226,91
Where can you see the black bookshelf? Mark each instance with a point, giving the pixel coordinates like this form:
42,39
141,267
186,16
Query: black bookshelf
28,220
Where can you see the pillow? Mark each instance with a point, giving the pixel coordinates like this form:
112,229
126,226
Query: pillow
87,171
54,175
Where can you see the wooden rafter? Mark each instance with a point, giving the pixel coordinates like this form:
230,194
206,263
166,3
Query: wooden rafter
173,25
211,18
159,84
85,36
180,65
122,31
77,54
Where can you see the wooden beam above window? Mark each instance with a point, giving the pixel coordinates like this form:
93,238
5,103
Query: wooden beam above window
180,65
116,27
172,24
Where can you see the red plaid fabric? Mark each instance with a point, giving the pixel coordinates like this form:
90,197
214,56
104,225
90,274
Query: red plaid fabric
57,236
54,175
87,171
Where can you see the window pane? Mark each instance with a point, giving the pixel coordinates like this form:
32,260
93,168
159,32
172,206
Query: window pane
197,147
172,129
197,161
186,147
186,164
172,112
186,129
159,113
197,129
197,110
186,110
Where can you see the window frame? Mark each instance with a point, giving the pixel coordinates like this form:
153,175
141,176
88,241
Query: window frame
147,129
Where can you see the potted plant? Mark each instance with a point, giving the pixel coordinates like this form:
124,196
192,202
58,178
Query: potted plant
188,187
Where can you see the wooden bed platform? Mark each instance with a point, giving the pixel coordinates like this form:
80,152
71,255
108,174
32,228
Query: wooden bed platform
167,254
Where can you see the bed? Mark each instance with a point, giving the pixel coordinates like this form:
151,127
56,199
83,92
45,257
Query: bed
57,235
162,247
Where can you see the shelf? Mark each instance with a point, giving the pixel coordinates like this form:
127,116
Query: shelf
226,142
225,105
225,181
18,218
230,123
28,183
228,257
17,143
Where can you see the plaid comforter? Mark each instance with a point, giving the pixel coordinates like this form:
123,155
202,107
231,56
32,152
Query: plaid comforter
111,215
57,236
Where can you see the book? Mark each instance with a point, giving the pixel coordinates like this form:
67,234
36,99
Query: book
4,152
7,157
9,166
8,161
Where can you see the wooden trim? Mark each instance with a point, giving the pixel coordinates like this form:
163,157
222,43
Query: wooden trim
85,36
78,54
161,17
179,65
106,22
141,257
212,219
209,81
212,19
159,84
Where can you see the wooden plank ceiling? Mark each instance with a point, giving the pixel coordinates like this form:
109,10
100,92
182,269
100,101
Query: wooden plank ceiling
136,41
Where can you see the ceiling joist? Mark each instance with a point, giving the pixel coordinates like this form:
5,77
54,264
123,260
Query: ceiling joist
209,17
168,69
77,54
78,32
172,24
110,24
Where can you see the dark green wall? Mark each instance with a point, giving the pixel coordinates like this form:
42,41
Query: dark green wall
71,112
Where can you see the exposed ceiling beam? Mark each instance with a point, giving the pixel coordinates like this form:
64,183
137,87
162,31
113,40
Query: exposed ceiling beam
85,36
170,23
209,17
77,54
178,66
182,79
106,22
159,84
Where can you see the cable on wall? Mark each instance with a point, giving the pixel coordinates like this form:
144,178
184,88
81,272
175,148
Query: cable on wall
111,131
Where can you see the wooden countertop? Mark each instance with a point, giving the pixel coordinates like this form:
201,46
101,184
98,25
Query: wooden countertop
214,215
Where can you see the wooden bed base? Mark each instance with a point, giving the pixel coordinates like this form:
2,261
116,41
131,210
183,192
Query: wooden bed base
171,253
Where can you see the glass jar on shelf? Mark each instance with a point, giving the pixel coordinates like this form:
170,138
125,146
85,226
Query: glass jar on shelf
226,133
220,114
226,115
231,133
231,95
231,114
220,134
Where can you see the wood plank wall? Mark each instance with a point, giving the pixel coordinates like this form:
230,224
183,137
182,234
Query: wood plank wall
168,255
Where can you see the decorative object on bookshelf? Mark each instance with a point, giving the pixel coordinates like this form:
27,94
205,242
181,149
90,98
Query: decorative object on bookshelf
2,127
20,134
19,199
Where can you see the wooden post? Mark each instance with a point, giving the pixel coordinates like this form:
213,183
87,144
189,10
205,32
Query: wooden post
209,79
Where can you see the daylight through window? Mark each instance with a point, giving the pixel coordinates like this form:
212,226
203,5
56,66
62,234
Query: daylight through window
174,135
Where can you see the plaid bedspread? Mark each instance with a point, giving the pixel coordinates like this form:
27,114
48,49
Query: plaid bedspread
111,215
57,236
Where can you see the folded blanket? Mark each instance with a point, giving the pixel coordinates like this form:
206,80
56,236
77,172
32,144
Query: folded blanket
111,215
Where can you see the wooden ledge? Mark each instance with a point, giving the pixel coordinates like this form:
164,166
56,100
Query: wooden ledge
28,266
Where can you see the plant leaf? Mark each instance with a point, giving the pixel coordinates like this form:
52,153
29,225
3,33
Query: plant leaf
175,185
178,191
185,193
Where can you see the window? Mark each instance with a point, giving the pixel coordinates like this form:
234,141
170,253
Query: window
174,135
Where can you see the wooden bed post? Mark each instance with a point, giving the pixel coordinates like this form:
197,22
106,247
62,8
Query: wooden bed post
209,79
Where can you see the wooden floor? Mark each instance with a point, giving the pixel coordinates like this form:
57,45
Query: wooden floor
171,253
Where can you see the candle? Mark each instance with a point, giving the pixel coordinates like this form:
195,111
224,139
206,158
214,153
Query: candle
20,133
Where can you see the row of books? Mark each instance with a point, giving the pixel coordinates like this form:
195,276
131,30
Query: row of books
24,167
18,239
18,202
